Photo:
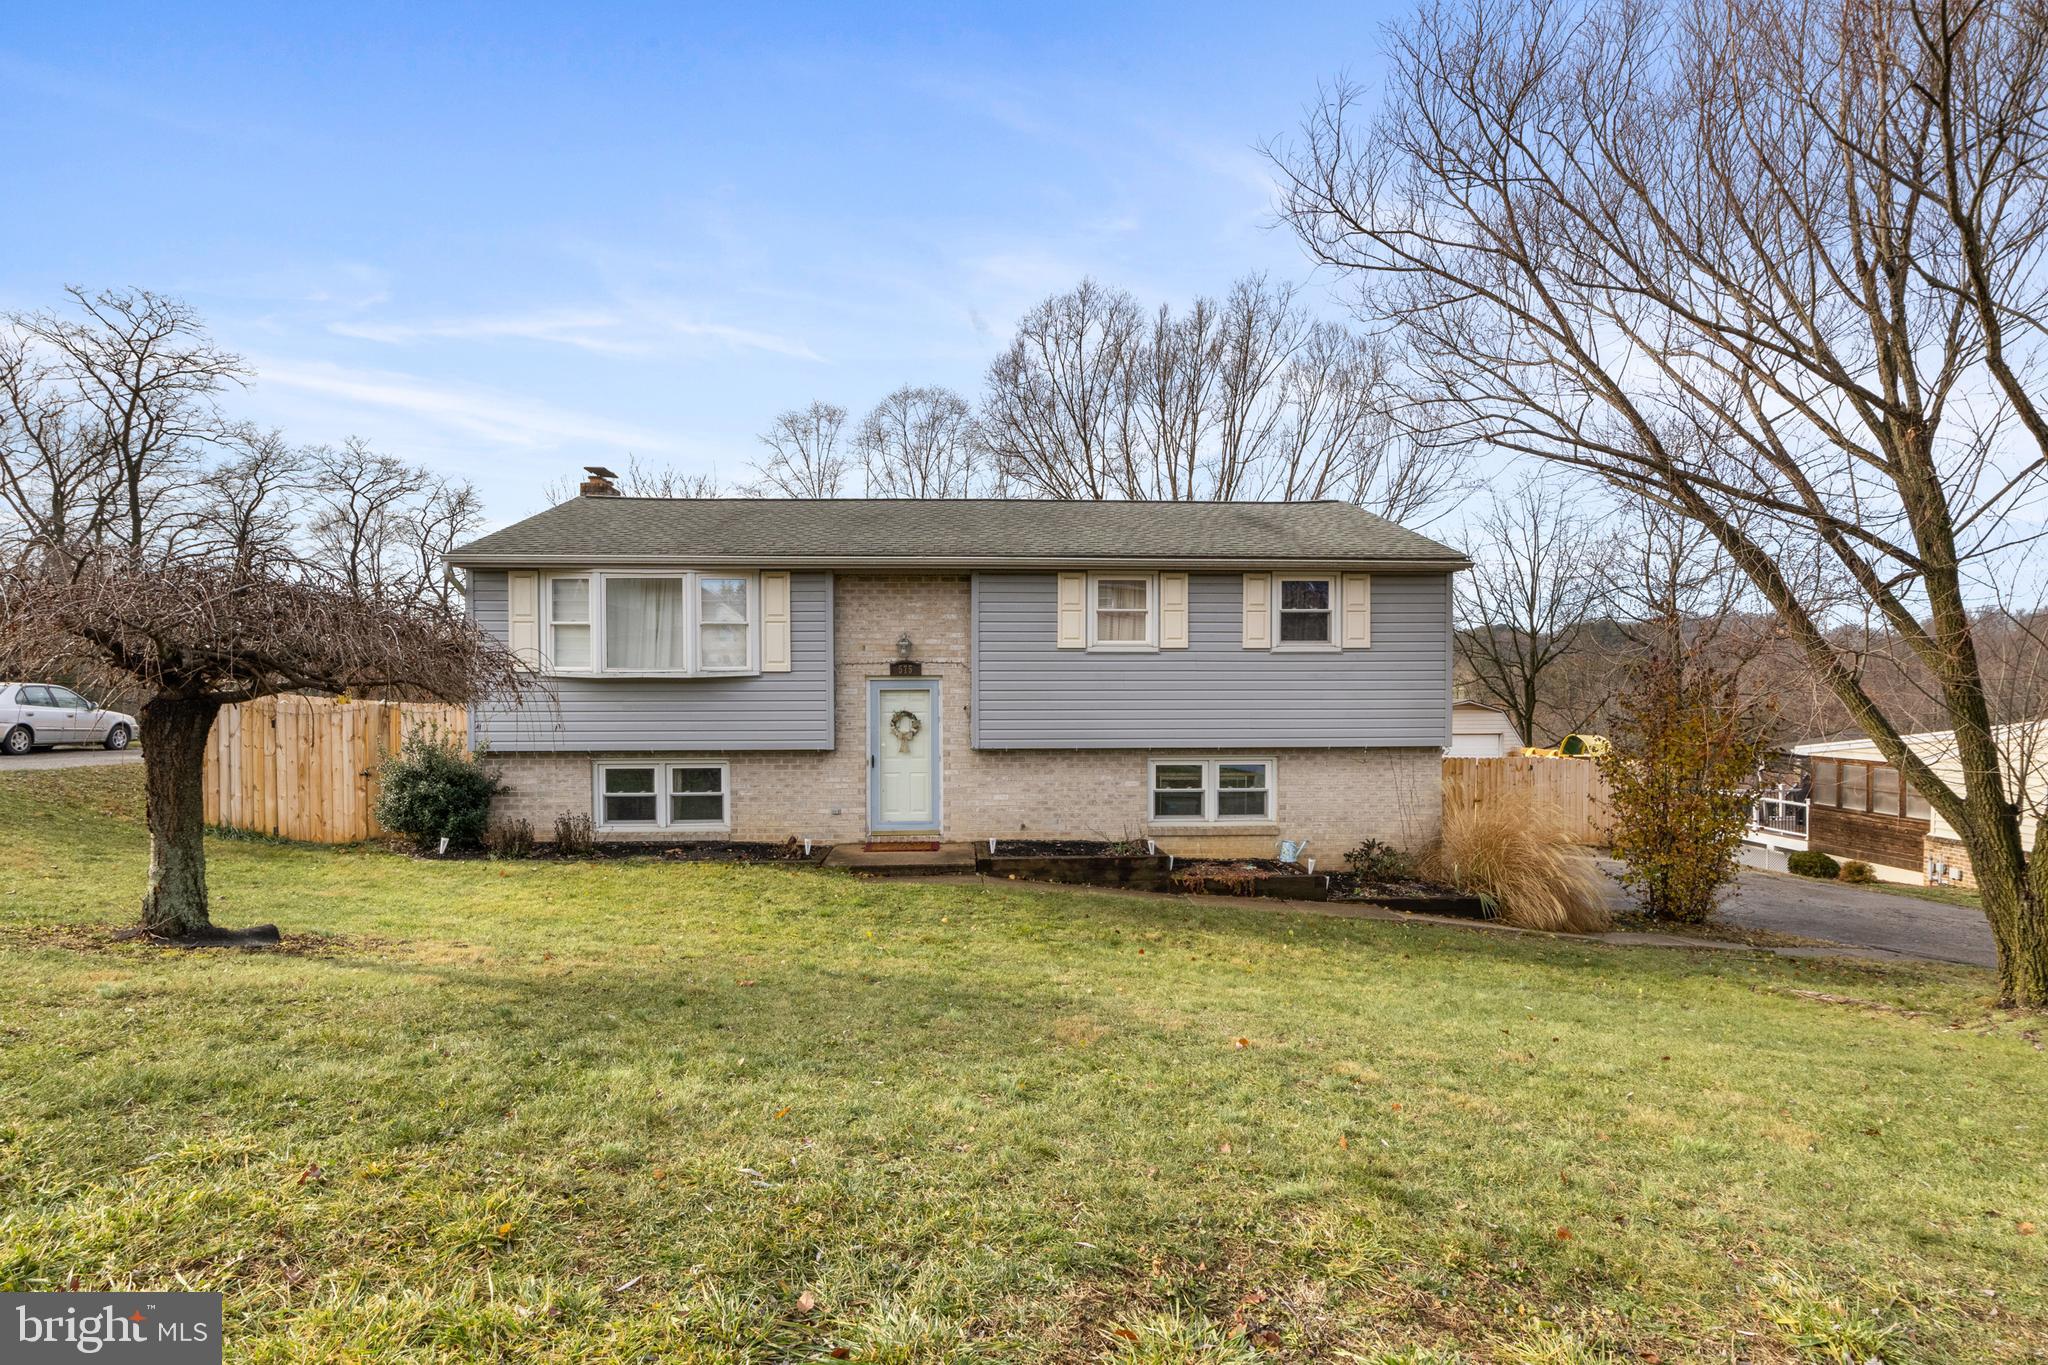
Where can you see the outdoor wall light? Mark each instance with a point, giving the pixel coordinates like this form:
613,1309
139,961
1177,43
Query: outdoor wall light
903,646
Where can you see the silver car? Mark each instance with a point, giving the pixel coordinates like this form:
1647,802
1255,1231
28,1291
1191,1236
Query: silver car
33,715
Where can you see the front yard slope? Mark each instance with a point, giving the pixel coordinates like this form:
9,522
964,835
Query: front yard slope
630,1109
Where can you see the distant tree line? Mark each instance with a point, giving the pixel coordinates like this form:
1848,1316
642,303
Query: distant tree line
1248,397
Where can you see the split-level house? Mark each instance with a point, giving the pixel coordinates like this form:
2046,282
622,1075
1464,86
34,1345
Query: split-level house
1210,676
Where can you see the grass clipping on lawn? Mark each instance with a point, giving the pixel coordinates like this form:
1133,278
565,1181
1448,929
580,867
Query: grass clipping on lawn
1518,855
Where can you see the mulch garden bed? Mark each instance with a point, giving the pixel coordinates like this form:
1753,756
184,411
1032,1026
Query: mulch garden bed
1066,848
1425,898
1248,877
697,851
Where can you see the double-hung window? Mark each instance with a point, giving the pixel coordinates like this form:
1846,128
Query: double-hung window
1212,790
678,796
724,627
569,624
651,624
1122,612
1305,612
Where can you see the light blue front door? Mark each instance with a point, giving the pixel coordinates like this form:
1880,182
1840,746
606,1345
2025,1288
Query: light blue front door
903,754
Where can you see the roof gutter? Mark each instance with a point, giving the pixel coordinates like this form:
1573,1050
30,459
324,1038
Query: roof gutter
462,560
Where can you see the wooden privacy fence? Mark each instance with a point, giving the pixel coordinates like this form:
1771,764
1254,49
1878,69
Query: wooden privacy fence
306,767
1573,785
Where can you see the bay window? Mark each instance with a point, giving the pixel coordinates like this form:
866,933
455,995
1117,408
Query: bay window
1212,791
645,630
651,624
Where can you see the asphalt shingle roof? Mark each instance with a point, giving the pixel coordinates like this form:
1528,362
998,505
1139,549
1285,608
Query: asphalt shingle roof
970,530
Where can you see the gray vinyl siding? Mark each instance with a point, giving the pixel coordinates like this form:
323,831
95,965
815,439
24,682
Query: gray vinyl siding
1029,694
790,710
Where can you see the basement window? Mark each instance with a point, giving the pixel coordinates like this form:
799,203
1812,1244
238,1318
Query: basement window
678,796
1212,791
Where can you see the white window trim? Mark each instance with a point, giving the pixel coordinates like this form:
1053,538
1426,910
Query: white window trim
1148,645
1335,643
662,792
692,610
1209,815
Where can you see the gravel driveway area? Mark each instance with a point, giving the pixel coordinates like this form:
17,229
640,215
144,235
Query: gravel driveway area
67,758
1877,921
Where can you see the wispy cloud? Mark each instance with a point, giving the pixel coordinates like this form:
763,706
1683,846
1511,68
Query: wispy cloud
585,331
640,331
502,418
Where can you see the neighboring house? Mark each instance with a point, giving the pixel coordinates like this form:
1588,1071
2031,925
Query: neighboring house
1859,806
1213,676
1481,730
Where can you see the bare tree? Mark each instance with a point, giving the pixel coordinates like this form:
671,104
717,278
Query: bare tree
1538,582
444,516
1247,399
159,549
244,510
1776,266
121,398
805,459
194,635
360,502
1056,414
921,443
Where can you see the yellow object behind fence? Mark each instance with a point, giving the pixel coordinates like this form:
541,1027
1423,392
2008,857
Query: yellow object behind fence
1573,746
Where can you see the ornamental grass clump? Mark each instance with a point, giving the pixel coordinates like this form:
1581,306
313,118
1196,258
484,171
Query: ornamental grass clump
1518,856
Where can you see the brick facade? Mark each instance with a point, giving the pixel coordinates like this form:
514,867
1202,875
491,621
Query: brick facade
1332,797
1954,860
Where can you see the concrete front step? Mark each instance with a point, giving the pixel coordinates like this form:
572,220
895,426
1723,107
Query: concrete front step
905,862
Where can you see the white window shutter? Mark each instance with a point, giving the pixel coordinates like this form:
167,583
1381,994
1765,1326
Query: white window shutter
1173,611
775,649
1073,626
1357,611
522,616
1258,611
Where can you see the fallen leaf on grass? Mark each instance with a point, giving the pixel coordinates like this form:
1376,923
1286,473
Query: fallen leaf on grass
2026,1229
806,1301
1244,1042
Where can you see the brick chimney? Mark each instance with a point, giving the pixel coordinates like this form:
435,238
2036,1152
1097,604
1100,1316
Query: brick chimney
599,484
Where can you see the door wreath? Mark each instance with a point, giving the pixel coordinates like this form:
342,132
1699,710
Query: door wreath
905,726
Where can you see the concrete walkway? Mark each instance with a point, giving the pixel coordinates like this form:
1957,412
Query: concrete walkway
67,758
906,862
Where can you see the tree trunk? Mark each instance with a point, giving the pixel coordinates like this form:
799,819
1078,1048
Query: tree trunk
2015,905
174,731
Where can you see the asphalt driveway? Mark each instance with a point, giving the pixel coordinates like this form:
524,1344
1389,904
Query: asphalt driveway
67,758
1857,917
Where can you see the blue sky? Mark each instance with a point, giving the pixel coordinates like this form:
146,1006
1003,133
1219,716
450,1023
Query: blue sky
509,240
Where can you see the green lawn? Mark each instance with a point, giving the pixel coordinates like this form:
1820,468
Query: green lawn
631,1110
